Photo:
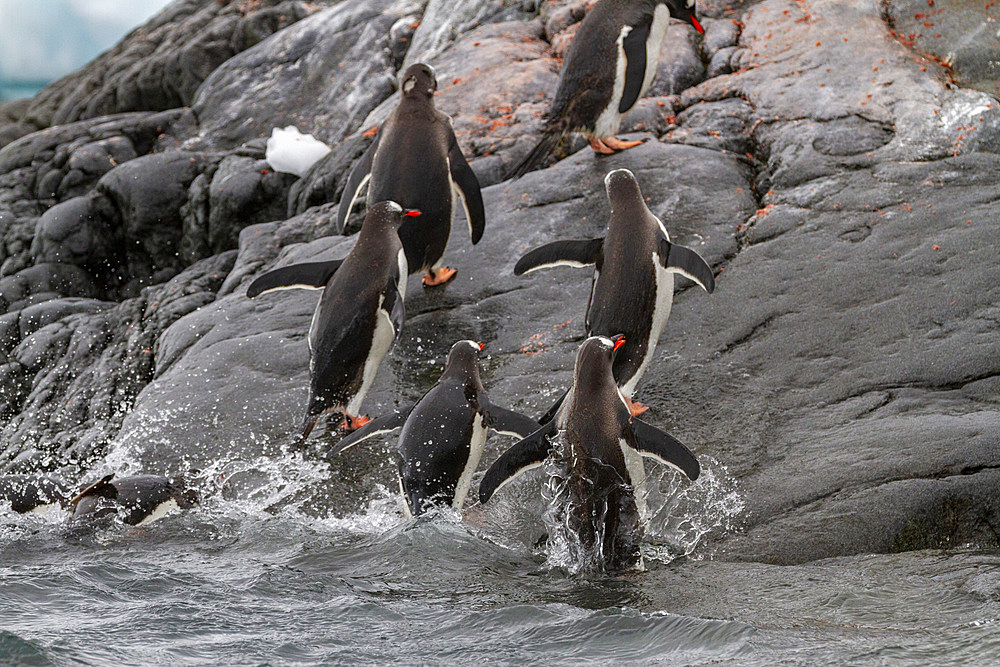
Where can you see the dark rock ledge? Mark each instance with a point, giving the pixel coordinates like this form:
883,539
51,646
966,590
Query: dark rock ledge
840,175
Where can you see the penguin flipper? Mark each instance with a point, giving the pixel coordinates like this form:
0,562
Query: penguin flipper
550,414
653,443
467,186
686,262
102,487
576,253
307,275
384,424
508,422
528,453
392,303
359,176
634,46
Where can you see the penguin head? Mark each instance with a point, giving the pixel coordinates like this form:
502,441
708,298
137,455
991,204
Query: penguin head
595,358
419,79
623,192
463,359
683,10
387,214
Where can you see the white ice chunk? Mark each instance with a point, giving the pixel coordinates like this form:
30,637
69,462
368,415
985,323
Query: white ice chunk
292,152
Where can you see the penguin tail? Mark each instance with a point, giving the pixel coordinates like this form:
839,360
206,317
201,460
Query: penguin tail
308,423
550,139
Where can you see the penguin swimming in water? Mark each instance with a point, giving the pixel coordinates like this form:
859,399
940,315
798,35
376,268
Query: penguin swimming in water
33,493
357,319
415,160
610,64
595,427
443,433
633,284
136,500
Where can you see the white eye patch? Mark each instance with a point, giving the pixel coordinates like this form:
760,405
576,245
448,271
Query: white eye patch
409,84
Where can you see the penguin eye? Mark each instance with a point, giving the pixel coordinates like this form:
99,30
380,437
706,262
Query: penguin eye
409,84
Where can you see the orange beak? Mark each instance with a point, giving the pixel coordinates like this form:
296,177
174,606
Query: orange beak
697,26
481,346
619,342
412,213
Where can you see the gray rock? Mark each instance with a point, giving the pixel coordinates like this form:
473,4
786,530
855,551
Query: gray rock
160,65
843,376
958,37
680,65
323,75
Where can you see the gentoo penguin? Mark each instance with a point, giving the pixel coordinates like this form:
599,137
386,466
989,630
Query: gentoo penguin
596,428
610,64
136,500
33,493
357,319
633,284
443,433
415,160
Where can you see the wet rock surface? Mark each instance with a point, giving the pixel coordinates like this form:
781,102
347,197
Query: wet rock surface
846,371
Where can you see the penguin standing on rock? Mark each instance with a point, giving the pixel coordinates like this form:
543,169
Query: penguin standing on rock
633,285
610,64
358,318
415,160
444,432
597,428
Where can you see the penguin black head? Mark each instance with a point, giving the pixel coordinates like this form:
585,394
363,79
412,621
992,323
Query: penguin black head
683,10
595,359
419,79
463,359
387,214
623,190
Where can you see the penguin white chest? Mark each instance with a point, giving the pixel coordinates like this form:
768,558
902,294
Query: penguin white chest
661,311
161,510
657,33
610,119
479,432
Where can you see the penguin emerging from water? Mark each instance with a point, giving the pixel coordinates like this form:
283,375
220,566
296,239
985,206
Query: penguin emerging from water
357,319
596,428
610,64
633,284
137,500
415,160
444,432
33,493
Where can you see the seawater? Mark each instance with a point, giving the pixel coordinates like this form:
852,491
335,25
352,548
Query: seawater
256,575
14,90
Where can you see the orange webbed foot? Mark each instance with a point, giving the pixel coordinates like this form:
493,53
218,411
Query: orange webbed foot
635,407
619,145
599,147
439,277
354,423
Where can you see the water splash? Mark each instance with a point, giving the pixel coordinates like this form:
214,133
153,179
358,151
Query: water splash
683,513
563,548
680,515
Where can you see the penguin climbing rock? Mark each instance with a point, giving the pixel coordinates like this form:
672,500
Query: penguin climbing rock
591,432
415,160
443,433
136,500
633,284
610,64
358,317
